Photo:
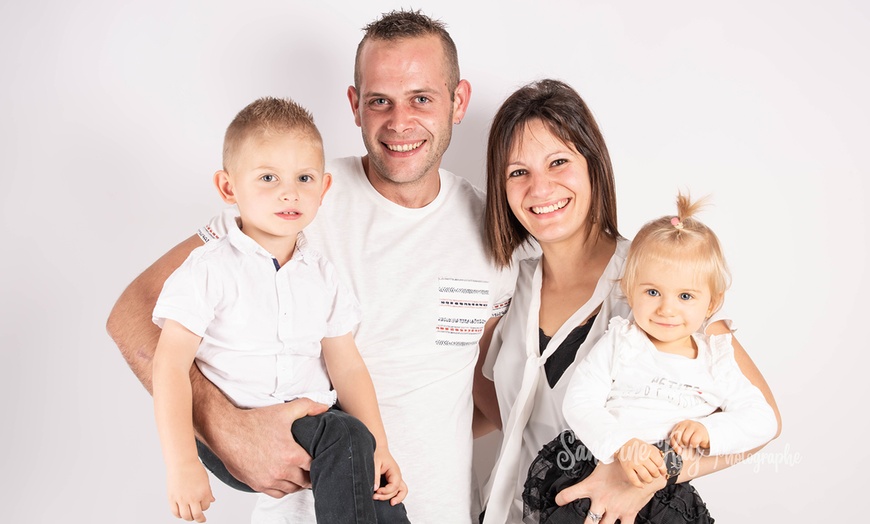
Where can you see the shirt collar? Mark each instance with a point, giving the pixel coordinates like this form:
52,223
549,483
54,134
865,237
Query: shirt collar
249,246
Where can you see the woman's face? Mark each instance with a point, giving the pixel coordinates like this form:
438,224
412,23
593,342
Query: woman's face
548,186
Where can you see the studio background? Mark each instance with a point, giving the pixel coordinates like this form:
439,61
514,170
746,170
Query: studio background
111,127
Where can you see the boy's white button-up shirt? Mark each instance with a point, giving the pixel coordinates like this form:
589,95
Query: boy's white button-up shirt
261,326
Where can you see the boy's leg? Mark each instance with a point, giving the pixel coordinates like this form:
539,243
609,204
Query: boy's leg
214,464
342,466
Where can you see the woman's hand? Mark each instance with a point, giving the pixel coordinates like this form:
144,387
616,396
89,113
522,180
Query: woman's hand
612,495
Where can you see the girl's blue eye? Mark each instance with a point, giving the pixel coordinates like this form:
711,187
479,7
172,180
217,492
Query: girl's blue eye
686,296
268,178
652,292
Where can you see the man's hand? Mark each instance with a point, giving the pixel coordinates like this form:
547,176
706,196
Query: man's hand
257,447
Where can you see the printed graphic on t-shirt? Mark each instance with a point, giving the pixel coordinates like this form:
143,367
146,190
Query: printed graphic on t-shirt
661,389
463,310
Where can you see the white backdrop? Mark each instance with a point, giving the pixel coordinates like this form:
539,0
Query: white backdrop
111,126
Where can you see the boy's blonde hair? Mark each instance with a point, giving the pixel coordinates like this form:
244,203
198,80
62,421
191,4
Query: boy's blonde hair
268,115
684,240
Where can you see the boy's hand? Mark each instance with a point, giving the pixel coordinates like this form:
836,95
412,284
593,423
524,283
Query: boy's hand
395,490
189,491
689,434
641,462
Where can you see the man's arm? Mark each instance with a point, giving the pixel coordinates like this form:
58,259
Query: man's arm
486,412
130,324
256,445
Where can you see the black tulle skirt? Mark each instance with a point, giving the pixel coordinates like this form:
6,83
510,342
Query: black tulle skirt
565,461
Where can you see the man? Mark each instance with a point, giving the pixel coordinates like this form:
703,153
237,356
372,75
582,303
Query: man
411,248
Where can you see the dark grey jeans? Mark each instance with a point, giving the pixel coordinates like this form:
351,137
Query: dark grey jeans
342,470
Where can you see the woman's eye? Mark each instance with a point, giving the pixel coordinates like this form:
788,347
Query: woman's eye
559,162
518,172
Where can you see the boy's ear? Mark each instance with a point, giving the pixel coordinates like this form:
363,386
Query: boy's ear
225,186
327,183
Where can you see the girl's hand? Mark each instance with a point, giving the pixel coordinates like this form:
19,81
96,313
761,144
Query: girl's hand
395,490
689,434
612,495
641,462
189,491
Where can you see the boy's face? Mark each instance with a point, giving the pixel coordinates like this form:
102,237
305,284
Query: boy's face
277,180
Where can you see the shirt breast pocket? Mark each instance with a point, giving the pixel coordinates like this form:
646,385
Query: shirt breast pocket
463,310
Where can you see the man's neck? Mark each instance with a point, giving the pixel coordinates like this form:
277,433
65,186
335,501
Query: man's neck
413,195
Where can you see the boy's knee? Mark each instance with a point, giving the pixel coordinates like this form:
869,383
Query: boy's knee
355,429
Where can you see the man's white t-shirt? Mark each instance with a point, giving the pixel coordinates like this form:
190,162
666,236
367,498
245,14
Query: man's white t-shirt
426,288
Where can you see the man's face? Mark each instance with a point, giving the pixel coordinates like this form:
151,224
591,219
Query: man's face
405,108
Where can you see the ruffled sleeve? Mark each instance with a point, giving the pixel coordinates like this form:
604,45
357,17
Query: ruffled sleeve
746,420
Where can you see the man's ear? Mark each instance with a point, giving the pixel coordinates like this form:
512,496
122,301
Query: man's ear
225,186
327,183
353,98
461,97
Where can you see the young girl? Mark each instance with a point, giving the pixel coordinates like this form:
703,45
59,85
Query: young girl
655,388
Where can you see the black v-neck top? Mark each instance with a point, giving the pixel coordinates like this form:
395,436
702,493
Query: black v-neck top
559,361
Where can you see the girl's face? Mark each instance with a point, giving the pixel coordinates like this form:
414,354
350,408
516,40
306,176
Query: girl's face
548,186
670,303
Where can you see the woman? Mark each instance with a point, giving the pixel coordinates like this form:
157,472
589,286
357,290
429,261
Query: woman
549,179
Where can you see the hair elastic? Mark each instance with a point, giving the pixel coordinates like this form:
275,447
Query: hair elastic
676,223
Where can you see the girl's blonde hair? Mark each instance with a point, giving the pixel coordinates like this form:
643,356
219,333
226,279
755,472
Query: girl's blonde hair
682,239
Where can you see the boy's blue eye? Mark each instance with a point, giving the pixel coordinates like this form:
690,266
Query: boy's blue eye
268,178
306,178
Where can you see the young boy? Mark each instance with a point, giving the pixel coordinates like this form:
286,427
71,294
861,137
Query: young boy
267,321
